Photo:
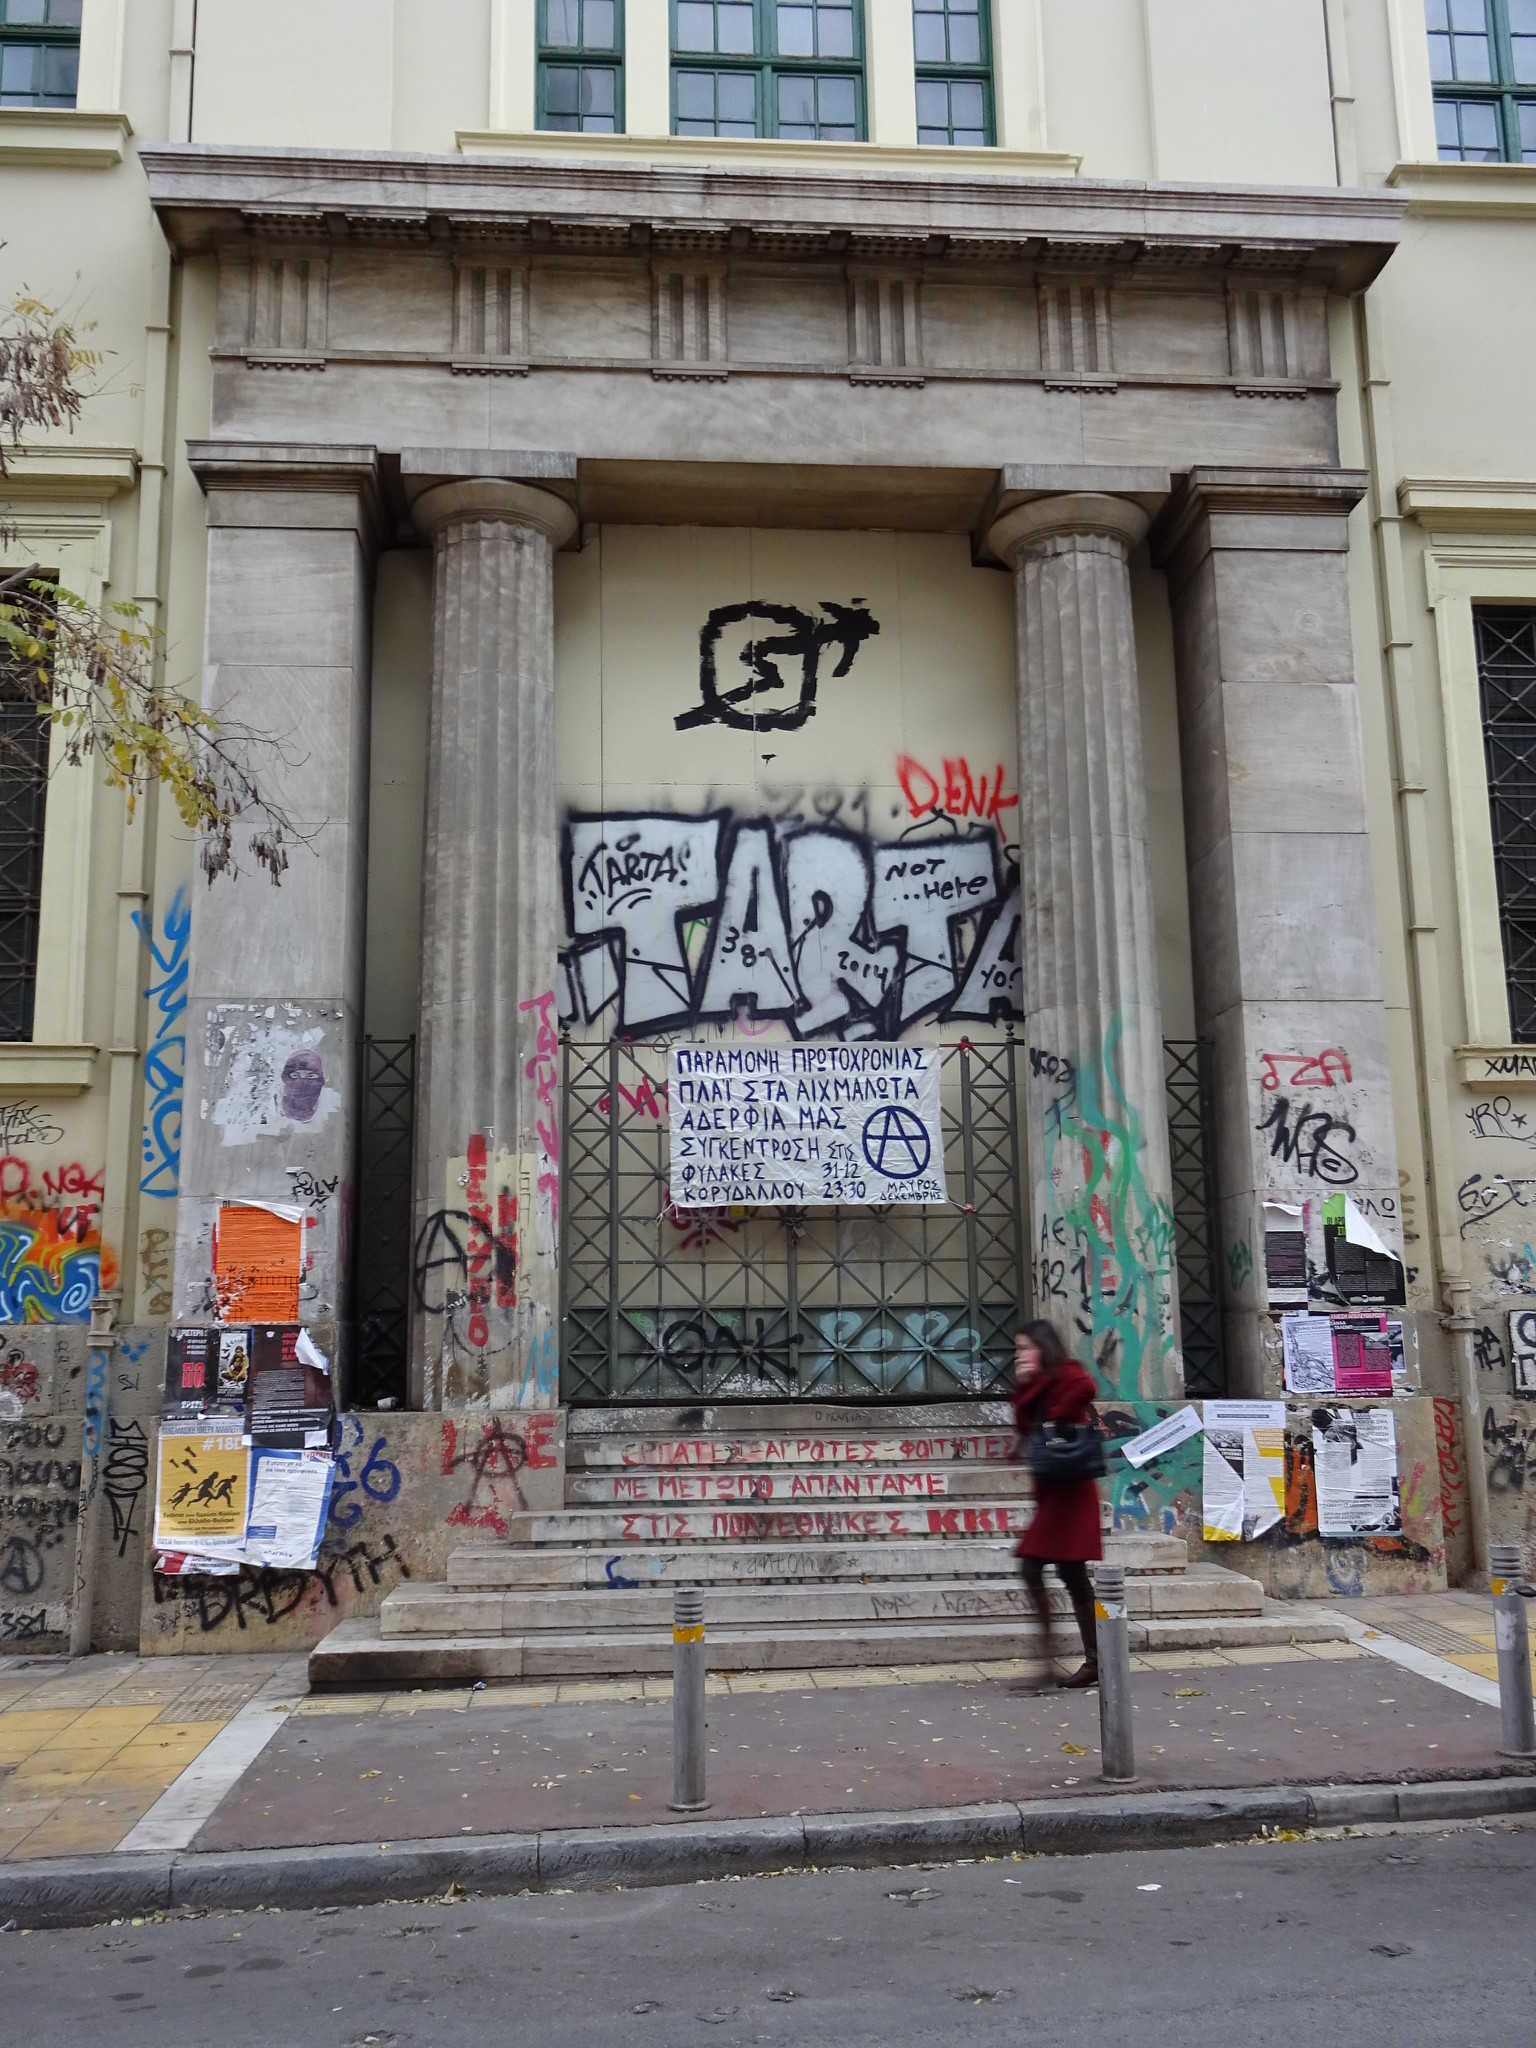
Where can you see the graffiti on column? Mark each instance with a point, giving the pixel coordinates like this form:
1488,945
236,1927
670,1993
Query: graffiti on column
165,1063
1105,1254
677,920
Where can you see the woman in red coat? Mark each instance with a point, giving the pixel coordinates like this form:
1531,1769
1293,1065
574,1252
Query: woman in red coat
1050,1386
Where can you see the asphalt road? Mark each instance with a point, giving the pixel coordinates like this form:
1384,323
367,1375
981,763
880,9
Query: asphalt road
1415,1937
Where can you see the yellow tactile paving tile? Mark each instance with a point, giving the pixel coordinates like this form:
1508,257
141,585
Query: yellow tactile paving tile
1333,1653
357,1704
167,1735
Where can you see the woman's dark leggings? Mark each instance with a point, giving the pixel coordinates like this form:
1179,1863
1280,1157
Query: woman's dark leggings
1074,1576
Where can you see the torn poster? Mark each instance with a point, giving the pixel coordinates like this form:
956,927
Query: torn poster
201,1489
1362,1267
1285,1255
1166,1435
1522,1349
258,1252
189,1354
804,1125
1354,1455
1362,1355
183,1564
290,1499
1245,1499
1308,1347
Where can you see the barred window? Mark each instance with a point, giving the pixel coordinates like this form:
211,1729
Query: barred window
39,52
1506,674
952,48
1482,59
23,802
791,68
581,66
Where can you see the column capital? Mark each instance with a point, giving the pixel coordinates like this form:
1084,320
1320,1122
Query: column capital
438,506
309,484
1213,507
1067,517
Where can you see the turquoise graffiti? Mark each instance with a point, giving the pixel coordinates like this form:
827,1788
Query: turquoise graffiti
165,1063
1106,1250
1158,1499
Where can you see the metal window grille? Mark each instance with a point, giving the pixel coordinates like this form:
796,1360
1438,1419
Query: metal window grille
381,1242
1506,674
24,735
1187,1078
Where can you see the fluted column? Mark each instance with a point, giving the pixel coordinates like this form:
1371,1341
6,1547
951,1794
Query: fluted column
487,1169
1098,1132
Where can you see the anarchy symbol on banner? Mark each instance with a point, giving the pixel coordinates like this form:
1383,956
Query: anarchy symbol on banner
896,1143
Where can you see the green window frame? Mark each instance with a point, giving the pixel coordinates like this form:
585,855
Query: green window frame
787,68
952,55
580,87
39,52
1482,64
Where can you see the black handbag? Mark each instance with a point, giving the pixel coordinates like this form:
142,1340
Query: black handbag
1066,1450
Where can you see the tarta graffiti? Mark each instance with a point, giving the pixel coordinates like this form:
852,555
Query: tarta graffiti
165,1063
765,700
826,928
1106,1241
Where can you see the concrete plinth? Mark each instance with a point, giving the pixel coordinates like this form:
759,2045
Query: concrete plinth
1098,1140
486,1214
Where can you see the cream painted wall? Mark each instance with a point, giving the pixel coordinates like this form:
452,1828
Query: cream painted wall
1239,91
291,72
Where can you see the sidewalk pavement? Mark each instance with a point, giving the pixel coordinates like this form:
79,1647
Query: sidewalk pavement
128,1755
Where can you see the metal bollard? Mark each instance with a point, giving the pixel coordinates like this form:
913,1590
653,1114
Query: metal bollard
1117,1742
1517,1708
688,1666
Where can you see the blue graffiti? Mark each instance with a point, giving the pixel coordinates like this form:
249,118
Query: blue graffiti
45,1278
616,1578
378,1476
95,1418
540,1381
133,1352
165,1064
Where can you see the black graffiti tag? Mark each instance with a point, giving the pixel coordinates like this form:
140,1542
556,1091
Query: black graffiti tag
1305,1140
802,639
450,1242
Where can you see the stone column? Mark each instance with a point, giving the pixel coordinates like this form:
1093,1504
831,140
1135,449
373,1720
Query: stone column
1287,962
275,976
1098,1129
487,1170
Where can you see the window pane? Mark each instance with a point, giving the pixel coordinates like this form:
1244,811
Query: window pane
966,106
1447,129
1479,127
964,6
1440,57
695,25
797,101
965,42
597,27
25,12
736,29
927,6
836,31
600,124
835,102
64,13
738,97
928,38
797,36
934,136
1471,58
563,24
60,69
18,68
970,138
1469,14
744,128
1524,48
1522,17
597,92
696,95
695,127
562,88
933,102
1435,15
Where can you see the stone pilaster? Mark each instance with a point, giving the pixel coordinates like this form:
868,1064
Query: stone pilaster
487,1170
1098,1133
1287,962
274,990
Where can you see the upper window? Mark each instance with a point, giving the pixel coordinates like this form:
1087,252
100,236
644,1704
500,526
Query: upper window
791,68
581,66
952,45
1482,58
24,735
39,52
1506,675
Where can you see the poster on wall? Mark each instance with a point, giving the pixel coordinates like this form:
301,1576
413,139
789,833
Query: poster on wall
804,1126
1522,1348
201,1488
1354,1455
1357,1354
1243,1471
258,1256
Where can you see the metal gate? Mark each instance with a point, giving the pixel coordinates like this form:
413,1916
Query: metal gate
664,1304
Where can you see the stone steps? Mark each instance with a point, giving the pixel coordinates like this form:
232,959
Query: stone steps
916,1446
882,1485
745,1522
357,1653
445,1610
478,1566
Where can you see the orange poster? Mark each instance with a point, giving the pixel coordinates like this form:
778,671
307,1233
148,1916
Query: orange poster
256,1255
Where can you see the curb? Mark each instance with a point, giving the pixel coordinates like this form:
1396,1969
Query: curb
79,1892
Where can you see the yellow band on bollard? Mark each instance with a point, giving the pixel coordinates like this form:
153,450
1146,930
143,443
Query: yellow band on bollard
1497,1586
1111,1613
688,1635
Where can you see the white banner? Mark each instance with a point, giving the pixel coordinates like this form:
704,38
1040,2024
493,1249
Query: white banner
804,1125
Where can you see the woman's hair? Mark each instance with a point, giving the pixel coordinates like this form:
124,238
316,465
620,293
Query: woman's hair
1047,1341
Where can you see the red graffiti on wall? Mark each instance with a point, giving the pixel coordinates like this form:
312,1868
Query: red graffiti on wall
70,1192
1448,1451
543,1069
20,1379
486,1250
1325,1069
641,1101
959,791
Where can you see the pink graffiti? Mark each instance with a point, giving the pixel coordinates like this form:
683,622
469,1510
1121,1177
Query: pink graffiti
1325,1069
544,1071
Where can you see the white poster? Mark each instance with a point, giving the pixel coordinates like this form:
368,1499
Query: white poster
804,1125
290,1498
1163,1436
1308,1343
1244,1472
1355,1456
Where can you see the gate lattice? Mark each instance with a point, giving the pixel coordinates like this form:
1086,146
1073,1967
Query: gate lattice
664,1304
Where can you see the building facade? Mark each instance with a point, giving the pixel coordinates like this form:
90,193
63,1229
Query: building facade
1006,527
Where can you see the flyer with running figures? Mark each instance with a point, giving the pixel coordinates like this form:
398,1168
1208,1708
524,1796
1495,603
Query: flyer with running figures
804,1126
